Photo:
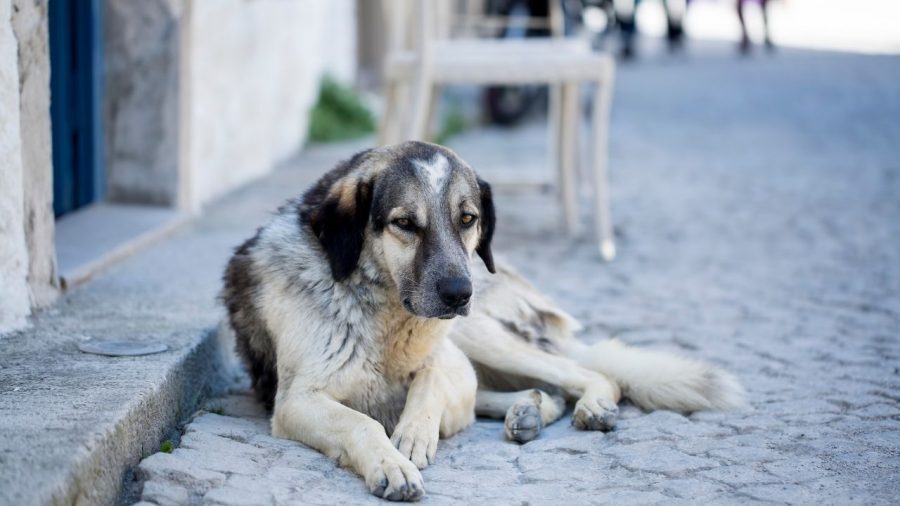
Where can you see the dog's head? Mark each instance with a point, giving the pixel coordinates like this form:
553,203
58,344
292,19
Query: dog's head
419,209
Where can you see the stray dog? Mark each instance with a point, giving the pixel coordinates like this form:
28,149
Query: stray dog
344,310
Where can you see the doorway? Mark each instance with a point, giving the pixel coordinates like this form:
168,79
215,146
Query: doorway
76,78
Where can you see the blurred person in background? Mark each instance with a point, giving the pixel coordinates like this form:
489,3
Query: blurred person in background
745,44
625,19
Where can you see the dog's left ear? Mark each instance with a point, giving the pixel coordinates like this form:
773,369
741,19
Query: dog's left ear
337,210
488,220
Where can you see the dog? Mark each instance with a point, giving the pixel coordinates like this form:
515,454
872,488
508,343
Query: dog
362,319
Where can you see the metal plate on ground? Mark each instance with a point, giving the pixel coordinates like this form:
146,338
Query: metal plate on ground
121,348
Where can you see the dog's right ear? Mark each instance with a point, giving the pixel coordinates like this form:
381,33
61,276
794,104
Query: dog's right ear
488,220
337,210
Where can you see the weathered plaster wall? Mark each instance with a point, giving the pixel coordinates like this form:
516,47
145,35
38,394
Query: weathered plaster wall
141,98
203,95
255,69
30,27
14,301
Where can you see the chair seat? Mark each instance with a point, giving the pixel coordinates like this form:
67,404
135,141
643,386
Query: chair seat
498,61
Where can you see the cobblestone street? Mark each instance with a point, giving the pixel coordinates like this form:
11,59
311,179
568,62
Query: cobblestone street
757,210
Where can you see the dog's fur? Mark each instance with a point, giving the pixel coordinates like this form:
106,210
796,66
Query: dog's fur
343,310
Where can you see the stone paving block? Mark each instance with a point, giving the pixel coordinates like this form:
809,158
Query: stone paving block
658,458
739,474
165,494
877,410
171,468
226,447
239,429
692,488
230,496
797,470
744,454
211,459
785,493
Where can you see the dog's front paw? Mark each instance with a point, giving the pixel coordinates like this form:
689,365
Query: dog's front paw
396,479
417,440
595,414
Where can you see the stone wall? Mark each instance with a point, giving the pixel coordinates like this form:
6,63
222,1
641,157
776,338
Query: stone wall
254,72
200,97
14,300
142,48
204,95
30,26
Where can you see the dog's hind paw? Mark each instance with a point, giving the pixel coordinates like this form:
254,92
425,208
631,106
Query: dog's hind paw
396,479
598,414
523,421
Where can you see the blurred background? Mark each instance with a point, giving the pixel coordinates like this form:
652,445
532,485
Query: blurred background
738,161
134,115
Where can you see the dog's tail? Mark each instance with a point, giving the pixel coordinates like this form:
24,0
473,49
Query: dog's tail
659,380
651,379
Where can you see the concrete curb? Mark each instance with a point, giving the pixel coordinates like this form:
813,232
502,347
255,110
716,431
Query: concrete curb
102,460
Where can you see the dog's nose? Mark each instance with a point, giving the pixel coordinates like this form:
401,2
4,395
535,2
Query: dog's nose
455,292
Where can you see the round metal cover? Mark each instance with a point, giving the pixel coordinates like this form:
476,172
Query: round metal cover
121,348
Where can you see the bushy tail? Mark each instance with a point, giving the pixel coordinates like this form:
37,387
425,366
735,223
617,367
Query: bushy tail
659,380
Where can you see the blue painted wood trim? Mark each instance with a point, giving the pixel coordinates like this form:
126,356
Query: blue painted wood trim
76,87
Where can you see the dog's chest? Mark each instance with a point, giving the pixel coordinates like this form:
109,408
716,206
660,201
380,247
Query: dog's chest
380,398
378,383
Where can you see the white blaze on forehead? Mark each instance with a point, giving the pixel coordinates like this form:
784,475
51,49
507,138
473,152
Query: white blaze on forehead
434,171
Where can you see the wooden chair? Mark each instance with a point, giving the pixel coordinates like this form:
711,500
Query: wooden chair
421,60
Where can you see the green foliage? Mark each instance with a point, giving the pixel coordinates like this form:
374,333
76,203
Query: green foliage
453,123
339,114
167,446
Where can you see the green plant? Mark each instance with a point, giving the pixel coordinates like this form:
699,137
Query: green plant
453,123
167,446
339,114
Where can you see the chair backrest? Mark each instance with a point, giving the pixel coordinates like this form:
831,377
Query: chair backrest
414,24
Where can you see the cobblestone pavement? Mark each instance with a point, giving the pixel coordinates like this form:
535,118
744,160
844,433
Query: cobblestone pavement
757,208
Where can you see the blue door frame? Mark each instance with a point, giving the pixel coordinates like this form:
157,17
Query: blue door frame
76,79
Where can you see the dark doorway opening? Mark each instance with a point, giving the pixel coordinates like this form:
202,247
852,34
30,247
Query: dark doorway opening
76,78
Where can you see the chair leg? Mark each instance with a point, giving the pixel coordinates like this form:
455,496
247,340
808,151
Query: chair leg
554,132
602,214
431,112
391,117
568,156
421,113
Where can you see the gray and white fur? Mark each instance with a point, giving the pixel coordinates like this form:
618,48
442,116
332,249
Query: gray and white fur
344,309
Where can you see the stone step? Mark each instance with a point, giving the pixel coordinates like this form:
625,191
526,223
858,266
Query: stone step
75,424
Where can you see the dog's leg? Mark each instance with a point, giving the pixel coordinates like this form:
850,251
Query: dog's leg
350,437
440,403
525,412
498,349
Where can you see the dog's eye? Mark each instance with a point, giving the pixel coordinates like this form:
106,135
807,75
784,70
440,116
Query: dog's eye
467,219
404,224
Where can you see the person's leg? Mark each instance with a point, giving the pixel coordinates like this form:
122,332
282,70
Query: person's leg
765,12
625,19
744,45
675,12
